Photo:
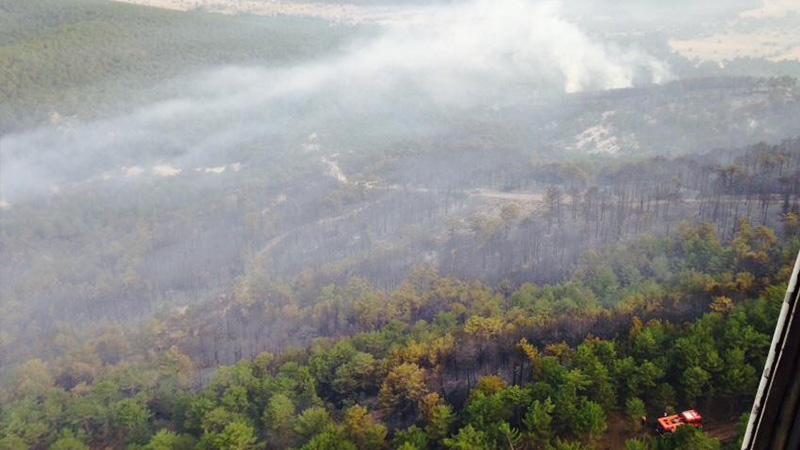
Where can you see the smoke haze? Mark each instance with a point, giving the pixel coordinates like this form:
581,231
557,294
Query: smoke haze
472,55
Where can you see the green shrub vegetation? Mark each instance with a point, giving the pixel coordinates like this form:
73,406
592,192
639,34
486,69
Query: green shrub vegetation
650,326
86,57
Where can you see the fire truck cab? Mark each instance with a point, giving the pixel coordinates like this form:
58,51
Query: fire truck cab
668,424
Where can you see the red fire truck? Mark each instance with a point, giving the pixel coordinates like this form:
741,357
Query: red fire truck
668,424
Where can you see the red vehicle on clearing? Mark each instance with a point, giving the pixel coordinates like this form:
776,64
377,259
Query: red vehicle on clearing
668,424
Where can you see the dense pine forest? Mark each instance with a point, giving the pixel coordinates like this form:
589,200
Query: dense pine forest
86,57
375,225
638,329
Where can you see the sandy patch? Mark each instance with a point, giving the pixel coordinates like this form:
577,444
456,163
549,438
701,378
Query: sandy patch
217,170
597,139
335,171
771,31
134,171
773,9
774,45
165,171
332,12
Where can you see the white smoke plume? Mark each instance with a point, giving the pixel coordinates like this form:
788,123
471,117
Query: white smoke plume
443,58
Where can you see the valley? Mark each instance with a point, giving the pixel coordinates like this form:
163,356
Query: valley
384,225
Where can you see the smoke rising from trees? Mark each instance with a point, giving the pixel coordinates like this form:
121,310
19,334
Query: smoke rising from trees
447,58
